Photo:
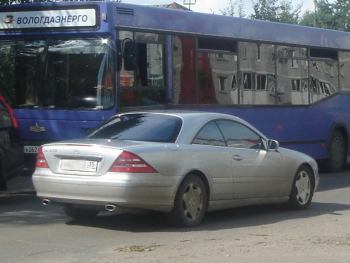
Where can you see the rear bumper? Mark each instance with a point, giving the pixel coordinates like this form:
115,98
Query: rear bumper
140,191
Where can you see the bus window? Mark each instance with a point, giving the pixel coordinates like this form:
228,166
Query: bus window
324,79
217,71
184,78
23,59
344,67
7,71
216,74
79,72
58,74
292,70
261,81
257,71
142,76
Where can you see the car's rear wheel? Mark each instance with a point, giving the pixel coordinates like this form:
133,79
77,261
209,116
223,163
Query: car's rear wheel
79,213
302,188
191,202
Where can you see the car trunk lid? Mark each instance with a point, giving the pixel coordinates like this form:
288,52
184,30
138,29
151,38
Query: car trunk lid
84,157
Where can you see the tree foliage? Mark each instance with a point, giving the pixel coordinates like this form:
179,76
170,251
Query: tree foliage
331,14
265,10
308,19
276,11
287,13
235,8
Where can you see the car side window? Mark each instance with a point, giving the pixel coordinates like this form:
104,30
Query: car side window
210,135
238,135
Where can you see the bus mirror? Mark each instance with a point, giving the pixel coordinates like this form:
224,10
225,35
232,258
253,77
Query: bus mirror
129,55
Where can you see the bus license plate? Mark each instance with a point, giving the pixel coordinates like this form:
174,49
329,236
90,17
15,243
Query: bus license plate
30,149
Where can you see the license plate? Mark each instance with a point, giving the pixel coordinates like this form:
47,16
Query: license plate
30,149
79,165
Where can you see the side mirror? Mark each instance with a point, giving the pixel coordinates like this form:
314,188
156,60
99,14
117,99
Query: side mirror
273,145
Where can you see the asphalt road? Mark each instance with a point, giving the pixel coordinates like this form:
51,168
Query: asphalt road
30,232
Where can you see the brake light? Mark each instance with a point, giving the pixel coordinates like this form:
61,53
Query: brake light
40,159
128,162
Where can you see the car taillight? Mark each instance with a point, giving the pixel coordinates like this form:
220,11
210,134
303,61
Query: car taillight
40,159
128,162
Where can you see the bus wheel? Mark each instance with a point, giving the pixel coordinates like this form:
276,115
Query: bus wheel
337,152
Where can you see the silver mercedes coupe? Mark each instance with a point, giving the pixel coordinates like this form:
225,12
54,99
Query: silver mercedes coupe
180,163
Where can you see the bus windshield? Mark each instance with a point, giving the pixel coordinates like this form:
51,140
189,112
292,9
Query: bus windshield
57,73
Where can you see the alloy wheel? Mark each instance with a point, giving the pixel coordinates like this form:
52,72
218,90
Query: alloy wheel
303,187
192,201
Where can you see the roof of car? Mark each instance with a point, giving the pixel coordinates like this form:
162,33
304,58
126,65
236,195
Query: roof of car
194,120
187,113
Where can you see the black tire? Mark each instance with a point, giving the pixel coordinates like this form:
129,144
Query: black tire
337,152
302,189
79,213
3,184
191,203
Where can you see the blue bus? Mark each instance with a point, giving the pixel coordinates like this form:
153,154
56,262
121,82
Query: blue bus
67,67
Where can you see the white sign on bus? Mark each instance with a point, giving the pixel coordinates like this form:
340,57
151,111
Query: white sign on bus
48,19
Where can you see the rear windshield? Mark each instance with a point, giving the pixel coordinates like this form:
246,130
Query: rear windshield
140,127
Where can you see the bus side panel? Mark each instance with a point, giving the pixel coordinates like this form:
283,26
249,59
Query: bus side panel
297,128
302,128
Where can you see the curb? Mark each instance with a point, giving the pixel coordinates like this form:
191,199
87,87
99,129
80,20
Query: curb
10,193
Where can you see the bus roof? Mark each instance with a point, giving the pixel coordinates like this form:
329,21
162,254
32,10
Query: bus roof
176,21
188,22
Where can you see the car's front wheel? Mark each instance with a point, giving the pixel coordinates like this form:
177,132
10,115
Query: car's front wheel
302,188
79,213
191,202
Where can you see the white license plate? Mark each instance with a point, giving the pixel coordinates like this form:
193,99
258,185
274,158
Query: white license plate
30,149
78,165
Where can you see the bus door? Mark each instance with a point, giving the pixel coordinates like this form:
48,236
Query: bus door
142,69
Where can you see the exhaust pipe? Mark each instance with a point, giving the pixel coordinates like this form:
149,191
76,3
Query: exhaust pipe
46,201
110,207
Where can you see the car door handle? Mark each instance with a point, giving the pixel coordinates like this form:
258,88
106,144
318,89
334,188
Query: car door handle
237,158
